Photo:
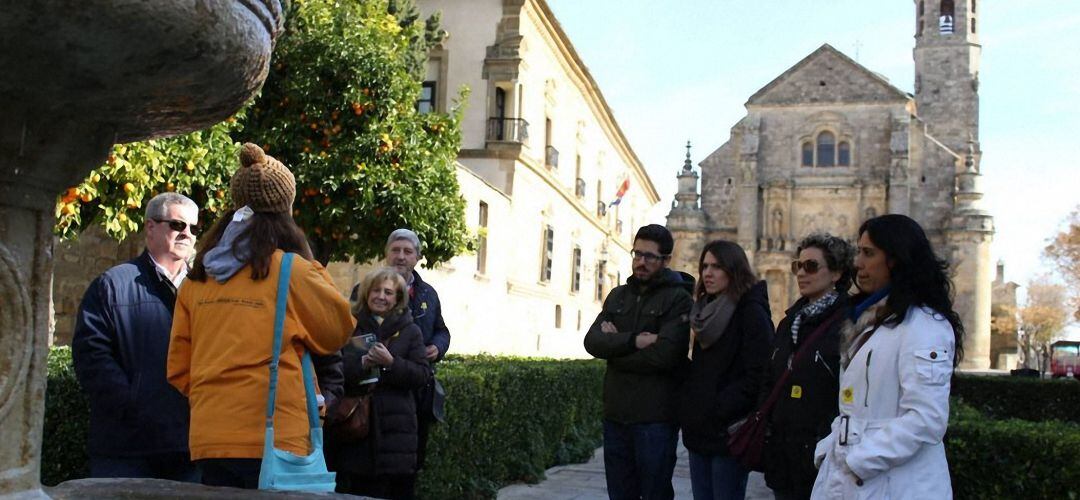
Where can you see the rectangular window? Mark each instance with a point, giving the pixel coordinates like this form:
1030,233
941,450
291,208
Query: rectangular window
558,316
575,279
601,270
426,103
547,251
482,236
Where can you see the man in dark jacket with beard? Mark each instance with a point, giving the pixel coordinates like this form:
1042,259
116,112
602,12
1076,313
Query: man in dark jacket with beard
643,332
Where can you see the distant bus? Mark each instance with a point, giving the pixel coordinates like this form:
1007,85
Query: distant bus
1065,359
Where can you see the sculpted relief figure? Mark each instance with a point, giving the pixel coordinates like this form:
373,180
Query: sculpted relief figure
777,223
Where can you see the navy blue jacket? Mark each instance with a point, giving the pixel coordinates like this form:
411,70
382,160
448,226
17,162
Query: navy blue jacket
120,347
427,314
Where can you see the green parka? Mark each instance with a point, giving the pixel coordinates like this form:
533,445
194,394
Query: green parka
640,385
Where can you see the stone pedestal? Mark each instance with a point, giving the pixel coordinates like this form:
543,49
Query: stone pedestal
159,489
78,77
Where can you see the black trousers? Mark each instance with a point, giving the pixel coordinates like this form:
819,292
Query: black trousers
390,486
232,472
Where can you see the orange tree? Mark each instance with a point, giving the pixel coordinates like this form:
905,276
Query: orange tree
339,108
114,195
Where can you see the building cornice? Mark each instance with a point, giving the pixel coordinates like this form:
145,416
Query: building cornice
592,94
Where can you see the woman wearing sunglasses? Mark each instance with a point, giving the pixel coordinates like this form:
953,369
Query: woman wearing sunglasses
897,357
731,330
806,403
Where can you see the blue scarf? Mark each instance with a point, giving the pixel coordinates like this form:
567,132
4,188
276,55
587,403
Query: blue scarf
871,300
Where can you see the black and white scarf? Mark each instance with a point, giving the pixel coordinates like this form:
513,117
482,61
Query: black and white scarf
810,310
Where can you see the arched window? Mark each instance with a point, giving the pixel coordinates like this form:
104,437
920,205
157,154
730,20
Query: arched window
973,25
826,149
808,154
843,154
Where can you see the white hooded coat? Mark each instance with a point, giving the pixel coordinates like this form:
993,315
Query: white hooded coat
894,410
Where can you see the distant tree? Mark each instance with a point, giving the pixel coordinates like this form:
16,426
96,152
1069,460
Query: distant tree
339,108
1042,318
1064,252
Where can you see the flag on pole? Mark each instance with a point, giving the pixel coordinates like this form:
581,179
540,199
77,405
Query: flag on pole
623,188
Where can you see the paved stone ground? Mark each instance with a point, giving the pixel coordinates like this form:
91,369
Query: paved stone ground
586,482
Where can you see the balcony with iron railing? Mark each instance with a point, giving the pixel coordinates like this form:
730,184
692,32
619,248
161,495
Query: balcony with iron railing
551,157
579,188
507,130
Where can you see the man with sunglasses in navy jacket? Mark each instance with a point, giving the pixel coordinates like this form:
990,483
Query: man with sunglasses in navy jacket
138,422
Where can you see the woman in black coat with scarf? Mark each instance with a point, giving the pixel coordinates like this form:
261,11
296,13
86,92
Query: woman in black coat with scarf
806,405
731,331
383,464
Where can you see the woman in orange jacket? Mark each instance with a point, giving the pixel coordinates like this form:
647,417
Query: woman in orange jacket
222,331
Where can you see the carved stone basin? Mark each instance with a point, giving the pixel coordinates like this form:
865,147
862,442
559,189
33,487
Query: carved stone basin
77,76
144,68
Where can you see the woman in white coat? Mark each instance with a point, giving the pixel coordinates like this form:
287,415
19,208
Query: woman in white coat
897,362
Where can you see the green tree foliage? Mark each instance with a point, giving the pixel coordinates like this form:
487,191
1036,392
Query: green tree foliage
339,108
114,195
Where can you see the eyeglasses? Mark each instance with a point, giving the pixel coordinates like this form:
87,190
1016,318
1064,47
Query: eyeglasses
647,256
178,225
810,266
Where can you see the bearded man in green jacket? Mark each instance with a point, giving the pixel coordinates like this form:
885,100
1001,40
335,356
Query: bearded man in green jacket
643,332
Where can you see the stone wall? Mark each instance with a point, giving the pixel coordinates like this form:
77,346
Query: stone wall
77,263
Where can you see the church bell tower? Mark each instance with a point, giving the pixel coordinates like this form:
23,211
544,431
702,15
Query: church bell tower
947,53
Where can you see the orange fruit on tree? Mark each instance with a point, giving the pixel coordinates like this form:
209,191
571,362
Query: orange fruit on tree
129,188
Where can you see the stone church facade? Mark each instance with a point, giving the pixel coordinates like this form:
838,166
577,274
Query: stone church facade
829,143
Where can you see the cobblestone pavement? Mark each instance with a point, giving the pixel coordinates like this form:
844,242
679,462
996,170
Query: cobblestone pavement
586,482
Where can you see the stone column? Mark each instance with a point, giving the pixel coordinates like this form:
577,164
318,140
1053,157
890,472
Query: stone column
78,77
34,167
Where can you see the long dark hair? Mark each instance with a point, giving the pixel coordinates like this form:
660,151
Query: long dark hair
732,259
267,233
917,276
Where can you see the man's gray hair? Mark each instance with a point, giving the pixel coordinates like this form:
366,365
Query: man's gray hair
404,234
158,206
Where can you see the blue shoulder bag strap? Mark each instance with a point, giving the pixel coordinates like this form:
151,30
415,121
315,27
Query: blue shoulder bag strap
308,369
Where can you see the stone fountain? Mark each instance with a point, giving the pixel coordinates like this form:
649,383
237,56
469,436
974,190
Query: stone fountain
75,78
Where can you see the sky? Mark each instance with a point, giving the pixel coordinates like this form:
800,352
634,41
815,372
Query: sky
677,71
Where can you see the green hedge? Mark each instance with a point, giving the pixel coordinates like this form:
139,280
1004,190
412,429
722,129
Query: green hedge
508,419
1020,397
1012,458
67,415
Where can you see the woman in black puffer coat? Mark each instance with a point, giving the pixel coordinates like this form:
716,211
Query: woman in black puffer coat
732,330
383,465
807,402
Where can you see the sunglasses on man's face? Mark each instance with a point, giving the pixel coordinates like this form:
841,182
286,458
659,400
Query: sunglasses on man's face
178,225
810,266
